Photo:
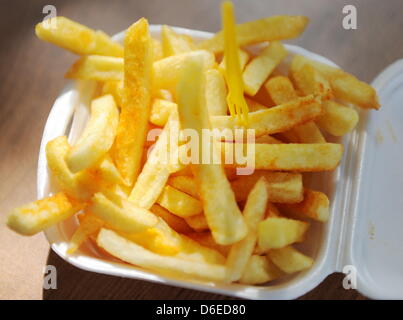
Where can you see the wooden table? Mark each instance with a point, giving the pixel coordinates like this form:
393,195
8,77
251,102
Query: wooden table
32,75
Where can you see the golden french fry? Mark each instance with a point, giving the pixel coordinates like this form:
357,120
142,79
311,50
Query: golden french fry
259,270
198,222
167,71
268,139
42,214
292,156
115,88
132,253
99,68
173,43
243,60
176,223
281,91
216,93
77,38
257,71
345,86
89,225
276,119
220,208
283,187
161,110
253,213
337,119
133,121
124,216
207,240
179,203
314,206
97,137
289,260
158,53
267,29
278,232
255,105
186,184
108,172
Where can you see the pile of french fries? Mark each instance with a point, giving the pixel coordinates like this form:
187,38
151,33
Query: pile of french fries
198,221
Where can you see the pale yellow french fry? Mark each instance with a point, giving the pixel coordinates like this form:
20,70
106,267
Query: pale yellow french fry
283,187
253,213
257,70
278,232
41,214
161,110
155,173
267,29
207,240
77,38
345,86
109,173
132,253
89,225
98,135
186,184
337,119
123,216
276,119
115,88
314,206
133,121
220,208
158,53
259,270
243,60
174,43
176,223
198,222
216,93
281,91
167,71
292,156
99,68
179,203
290,260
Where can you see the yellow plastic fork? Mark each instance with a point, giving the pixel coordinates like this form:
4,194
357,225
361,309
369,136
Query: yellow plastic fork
233,74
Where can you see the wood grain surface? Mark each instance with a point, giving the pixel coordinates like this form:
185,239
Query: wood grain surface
31,74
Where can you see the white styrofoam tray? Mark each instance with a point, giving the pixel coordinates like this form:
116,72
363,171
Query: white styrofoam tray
366,216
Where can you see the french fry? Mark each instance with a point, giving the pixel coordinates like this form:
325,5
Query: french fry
281,91
108,172
253,213
243,60
207,240
186,184
267,29
292,156
176,223
77,38
268,139
255,105
257,71
283,187
314,206
41,214
179,203
259,270
345,86
99,68
132,253
216,93
161,110
220,208
89,225
290,260
133,122
276,119
198,222
167,71
278,232
173,43
337,119
97,137
158,52
115,88
123,216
